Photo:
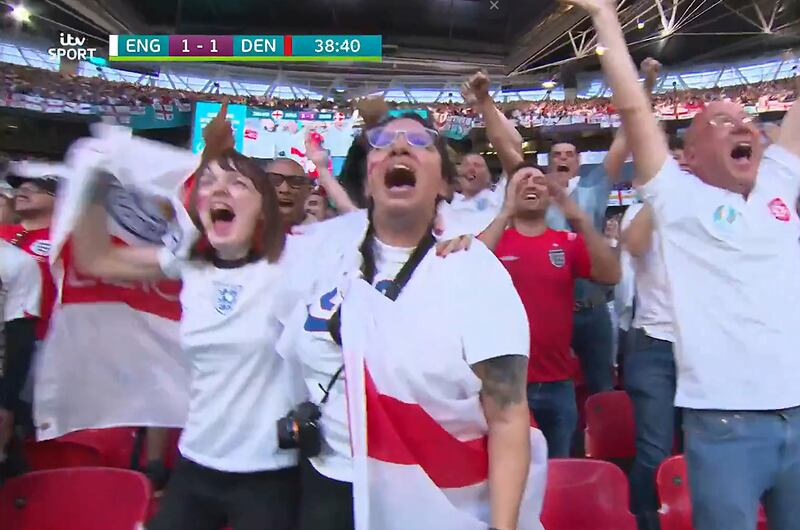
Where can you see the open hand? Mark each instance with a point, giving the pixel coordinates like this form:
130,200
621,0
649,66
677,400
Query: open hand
562,199
452,246
511,203
316,153
218,134
476,89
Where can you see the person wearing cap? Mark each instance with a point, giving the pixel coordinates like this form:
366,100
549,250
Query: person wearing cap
34,201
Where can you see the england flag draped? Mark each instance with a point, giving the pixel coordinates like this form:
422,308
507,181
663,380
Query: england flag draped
419,440
112,355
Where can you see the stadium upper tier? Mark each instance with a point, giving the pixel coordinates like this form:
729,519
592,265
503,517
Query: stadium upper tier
762,85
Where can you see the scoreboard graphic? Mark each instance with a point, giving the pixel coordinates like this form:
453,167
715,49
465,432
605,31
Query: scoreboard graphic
245,48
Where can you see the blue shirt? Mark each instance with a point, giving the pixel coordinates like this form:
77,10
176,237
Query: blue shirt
591,196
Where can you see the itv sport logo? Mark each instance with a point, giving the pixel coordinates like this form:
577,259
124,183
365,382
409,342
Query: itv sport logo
72,48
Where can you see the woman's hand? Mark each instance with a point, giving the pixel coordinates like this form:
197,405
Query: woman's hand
453,246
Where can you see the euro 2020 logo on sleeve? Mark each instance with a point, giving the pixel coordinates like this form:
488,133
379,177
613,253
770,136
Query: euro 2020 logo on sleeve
137,213
226,297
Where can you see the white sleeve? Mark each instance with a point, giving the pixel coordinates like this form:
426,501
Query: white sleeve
22,281
171,265
487,307
781,163
671,192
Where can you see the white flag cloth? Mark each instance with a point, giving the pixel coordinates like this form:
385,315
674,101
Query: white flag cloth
418,432
112,356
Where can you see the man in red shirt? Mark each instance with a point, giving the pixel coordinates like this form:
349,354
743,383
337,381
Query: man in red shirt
34,200
543,264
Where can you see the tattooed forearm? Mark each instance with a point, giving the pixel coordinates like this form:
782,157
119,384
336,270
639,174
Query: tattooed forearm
503,378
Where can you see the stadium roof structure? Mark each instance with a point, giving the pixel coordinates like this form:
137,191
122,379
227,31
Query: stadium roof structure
438,42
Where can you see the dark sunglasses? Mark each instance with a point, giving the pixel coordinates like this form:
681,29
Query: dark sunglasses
381,138
294,181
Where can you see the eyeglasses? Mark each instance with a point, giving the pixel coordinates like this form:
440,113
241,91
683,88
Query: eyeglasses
381,138
728,122
294,181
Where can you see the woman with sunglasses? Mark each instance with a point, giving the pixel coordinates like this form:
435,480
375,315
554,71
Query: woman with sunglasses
457,341
231,471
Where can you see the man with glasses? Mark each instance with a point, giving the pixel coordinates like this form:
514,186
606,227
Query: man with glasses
729,243
293,187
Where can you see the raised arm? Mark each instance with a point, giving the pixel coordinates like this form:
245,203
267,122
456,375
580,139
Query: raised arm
95,254
605,260
499,130
620,149
506,410
789,136
339,197
637,236
647,141
492,233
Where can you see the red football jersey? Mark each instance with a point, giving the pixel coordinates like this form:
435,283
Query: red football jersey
37,244
543,269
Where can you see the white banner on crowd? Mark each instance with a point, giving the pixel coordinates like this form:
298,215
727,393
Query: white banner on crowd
420,451
112,356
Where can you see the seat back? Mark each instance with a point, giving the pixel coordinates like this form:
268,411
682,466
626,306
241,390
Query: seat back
610,430
115,444
673,491
586,495
55,454
75,499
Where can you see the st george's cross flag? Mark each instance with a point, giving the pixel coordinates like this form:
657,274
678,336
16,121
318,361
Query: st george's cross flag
420,445
112,355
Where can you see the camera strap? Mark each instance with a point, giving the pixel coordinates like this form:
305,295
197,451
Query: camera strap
392,292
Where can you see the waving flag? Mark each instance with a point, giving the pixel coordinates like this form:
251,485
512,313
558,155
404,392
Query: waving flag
419,440
112,355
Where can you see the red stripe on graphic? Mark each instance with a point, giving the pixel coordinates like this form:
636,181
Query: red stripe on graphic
160,298
287,45
404,433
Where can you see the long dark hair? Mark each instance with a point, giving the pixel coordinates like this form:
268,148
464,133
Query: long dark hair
269,238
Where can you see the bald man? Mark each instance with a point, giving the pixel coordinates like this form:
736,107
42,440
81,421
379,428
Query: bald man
729,237
293,187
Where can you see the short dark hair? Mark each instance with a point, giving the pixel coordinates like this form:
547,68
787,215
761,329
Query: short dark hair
524,164
269,238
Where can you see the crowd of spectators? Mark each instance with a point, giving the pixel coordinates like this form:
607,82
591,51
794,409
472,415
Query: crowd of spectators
16,79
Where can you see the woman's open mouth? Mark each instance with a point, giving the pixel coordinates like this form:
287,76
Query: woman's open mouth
222,218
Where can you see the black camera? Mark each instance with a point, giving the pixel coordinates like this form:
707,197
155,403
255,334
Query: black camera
299,429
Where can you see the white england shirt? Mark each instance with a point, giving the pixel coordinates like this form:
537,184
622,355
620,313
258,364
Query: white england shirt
653,301
21,283
458,291
732,266
471,215
239,385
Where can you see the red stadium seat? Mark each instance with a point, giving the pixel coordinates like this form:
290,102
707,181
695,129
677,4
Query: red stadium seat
673,490
610,429
586,495
115,444
75,499
55,454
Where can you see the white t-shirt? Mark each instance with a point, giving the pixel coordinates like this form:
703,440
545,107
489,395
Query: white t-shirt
240,387
471,215
653,302
732,267
457,291
21,283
